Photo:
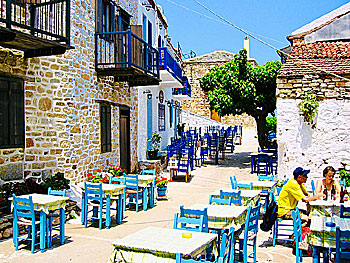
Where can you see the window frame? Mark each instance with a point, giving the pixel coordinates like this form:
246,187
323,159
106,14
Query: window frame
14,118
105,127
161,117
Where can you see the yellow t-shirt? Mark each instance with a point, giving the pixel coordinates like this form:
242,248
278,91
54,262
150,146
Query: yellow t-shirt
289,197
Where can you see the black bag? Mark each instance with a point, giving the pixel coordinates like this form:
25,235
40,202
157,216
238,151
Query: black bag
270,216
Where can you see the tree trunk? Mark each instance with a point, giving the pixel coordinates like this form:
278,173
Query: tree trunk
261,127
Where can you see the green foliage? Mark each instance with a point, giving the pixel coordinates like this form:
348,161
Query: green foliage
156,139
180,128
345,175
237,87
271,124
308,108
56,182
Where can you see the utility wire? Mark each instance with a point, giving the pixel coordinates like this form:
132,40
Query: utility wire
217,20
267,44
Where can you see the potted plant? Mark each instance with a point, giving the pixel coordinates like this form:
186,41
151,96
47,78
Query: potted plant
161,183
155,140
115,171
98,177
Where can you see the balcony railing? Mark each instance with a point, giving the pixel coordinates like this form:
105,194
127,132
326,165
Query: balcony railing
167,62
127,57
44,20
185,90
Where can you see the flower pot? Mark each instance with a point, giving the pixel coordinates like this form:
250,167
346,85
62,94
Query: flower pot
152,154
161,191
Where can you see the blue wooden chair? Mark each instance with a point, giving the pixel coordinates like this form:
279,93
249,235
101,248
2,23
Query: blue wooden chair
344,211
263,164
53,214
149,172
283,230
137,194
119,209
150,188
24,214
227,247
219,201
235,197
265,177
93,197
191,219
250,234
233,181
313,187
342,252
298,234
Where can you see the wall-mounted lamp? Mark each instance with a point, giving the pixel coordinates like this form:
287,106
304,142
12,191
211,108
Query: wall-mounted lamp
147,5
149,96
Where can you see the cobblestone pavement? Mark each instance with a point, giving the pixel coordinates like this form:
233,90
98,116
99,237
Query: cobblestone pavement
94,245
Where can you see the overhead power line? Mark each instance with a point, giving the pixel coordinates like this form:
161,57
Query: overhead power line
267,44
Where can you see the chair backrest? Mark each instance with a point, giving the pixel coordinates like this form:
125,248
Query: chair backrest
150,172
227,246
298,231
191,219
93,191
120,180
23,207
233,182
344,211
57,192
263,158
265,177
236,197
245,186
342,245
131,181
219,201
251,224
313,187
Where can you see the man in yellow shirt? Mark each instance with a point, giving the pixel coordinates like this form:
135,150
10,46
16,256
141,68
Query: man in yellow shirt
292,193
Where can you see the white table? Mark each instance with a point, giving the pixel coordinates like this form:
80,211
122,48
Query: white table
224,216
160,245
260,185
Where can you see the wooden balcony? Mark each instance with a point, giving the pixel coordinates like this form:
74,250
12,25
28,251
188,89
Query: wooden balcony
37,27
127,57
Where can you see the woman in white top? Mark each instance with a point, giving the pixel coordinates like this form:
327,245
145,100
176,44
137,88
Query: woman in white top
328,182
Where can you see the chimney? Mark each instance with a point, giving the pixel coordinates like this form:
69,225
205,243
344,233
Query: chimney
246,45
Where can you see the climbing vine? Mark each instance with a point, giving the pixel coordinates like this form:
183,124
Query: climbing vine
308,108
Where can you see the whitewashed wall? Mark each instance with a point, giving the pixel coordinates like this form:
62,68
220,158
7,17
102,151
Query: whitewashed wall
327,144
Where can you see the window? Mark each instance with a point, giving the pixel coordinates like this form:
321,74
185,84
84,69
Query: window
161,117
171,114
105,126
105,16
11,113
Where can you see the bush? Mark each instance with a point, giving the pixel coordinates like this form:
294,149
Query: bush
345,175
271,124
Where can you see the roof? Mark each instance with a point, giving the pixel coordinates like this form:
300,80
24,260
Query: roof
322,21
330,56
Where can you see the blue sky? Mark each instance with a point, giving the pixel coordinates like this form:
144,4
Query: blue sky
274,19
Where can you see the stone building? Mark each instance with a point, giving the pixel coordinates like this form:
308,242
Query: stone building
77,116
195,68
319,64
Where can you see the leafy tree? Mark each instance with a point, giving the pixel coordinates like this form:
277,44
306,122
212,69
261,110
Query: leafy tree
271,124
237,87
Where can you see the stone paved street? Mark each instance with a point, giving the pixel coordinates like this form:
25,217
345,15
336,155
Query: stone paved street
94,245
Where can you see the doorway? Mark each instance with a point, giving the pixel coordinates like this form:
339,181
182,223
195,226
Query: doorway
124,138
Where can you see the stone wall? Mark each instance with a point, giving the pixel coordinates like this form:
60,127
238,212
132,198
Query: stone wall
194,70
329,142
62,96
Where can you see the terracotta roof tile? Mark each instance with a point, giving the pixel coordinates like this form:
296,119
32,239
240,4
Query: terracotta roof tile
330,56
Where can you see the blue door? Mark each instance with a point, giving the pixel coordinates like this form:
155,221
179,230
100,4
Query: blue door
149,120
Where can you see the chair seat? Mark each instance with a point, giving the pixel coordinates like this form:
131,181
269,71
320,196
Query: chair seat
27,222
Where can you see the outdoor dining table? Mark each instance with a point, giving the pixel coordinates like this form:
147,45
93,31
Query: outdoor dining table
44,203
160,245
260,185
109,190
254,159
223,216
322,237
249,197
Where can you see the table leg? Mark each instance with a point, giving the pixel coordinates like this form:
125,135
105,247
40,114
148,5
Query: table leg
251,164
108,212
62,226
83,208
144,199
42,230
